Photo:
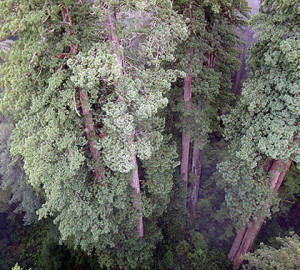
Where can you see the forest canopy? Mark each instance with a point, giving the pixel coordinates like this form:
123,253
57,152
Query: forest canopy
149,134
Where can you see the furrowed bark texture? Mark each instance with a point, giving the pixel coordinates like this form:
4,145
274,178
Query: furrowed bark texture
196,171
187,96
89,123
246,237
134,181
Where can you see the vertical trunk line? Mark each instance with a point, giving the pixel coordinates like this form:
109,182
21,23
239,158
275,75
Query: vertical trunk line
134,181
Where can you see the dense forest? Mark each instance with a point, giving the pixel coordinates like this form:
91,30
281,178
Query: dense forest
149,134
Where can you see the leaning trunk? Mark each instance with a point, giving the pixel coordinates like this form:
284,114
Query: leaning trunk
246,237
134,181
196,174
91,135
84,102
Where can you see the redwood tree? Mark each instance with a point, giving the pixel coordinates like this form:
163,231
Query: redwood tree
264,126
86,95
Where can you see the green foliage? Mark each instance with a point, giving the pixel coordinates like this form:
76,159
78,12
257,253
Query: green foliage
290,190
14,189
40,249
213,219
13,183
263,125
17,267
210,56
41,92
42,81
284,255
191,251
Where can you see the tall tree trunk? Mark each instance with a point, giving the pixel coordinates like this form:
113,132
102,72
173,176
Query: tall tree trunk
196,171
185,152
134,181
89,123
245,238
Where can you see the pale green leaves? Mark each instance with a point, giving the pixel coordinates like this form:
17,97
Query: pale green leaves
99,63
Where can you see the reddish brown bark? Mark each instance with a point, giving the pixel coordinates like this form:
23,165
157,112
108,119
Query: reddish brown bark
246,237
134,181
114,39
196,171
91,135
185,152
89,123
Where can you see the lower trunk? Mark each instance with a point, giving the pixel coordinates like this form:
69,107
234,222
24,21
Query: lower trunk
246,237
244,241
196,171
136,200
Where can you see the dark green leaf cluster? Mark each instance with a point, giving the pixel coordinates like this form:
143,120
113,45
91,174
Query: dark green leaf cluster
285,255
